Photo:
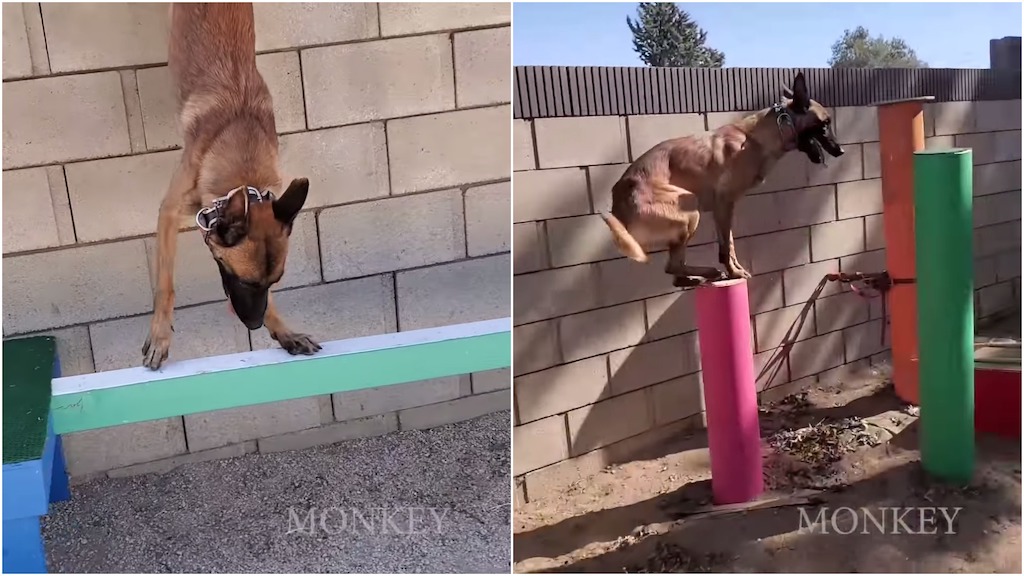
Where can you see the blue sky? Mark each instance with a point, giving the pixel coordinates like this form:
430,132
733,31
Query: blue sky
945,35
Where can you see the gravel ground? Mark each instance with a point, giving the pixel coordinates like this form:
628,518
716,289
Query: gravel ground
445,492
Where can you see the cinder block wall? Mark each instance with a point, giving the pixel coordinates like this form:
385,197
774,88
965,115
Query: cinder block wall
606,358
397,113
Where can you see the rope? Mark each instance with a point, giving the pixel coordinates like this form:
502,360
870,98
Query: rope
876,284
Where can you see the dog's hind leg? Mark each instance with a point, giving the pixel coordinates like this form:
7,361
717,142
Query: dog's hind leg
293,342
158,343
726,245
684,214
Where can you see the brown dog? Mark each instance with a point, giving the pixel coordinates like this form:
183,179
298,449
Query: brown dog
658,200
228,175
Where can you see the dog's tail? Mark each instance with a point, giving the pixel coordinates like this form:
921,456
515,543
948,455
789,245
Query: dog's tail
624,241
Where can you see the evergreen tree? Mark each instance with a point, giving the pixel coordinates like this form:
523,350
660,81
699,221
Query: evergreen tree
857,49
664,35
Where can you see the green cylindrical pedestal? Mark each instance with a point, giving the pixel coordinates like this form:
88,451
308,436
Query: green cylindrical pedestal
944,229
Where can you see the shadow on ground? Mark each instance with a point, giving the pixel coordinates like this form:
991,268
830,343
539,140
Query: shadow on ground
445,490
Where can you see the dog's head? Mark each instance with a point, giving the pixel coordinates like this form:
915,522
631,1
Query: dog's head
249,242
811,123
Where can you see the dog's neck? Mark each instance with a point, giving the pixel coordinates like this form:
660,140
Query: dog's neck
763,128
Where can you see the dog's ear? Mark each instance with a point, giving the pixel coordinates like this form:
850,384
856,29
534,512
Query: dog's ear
287,207
233,223
798,93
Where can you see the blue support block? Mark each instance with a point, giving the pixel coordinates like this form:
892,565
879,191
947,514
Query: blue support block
60,488
23,546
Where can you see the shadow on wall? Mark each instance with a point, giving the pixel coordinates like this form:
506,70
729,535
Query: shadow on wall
626,339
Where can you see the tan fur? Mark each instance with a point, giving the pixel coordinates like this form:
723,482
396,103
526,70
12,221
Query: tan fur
226,117
659,198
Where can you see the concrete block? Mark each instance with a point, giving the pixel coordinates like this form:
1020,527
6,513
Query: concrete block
872,160
343,165
1007,266
816,355
133,107
863,262
73,349
383,79
646,132
779,250
874,232
538,444
196,278
522,145
623,280
529,247
375,401
50,120
553,293
29,216
579,240
994,115
398,18
764,292
602,178
718,119
166,465
452,411
17,56
544,194
609,421
89,36
985,272
849,166
996,208
638,367
330,434
940,142
491,380
846,373
677,399
859,198
1007,146
560,141
792,171
982,144
776,393
293,24
562,388
74,286
392,234
840,311
483,72
535,347
951,117
199,331
806,206
119,197
997,177
670,314
336,311
36,39
119,446
835,239
770,327
996,238
996,299
855,124
862,340
456,148
488,214
600,331
208,430
159,102
454,293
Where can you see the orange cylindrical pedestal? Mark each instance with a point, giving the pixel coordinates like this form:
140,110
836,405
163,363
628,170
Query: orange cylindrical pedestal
901,133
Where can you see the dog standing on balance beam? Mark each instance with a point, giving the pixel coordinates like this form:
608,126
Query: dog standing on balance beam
228,177
659,198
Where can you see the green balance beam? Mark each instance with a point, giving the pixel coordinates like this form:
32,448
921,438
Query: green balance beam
116,397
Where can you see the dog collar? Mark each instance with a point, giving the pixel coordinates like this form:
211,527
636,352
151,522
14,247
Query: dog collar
207,217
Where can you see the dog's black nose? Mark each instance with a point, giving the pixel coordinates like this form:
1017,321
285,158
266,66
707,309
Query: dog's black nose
253,324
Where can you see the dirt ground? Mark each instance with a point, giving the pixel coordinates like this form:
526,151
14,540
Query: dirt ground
851,444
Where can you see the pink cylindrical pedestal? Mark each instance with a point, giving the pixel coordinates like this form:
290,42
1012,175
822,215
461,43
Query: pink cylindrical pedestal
730,398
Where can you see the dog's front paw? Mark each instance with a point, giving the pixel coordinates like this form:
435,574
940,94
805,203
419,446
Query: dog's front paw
157,347
297,344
